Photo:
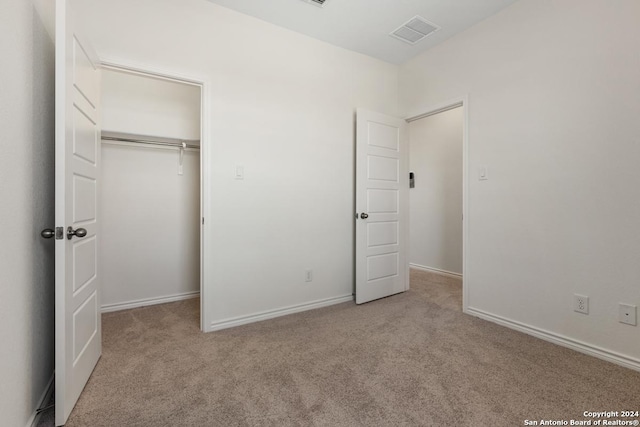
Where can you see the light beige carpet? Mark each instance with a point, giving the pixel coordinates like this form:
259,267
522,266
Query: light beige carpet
408,360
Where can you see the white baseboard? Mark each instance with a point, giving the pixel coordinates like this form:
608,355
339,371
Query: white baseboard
107,308
242,320
44,398
600,353
436,270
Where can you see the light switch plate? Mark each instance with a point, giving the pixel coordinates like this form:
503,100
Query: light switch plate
483,173
239,172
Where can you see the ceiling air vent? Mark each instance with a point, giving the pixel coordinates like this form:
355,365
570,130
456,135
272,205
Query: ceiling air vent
414,30
319,3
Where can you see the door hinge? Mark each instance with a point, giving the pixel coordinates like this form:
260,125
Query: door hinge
59,233
202,220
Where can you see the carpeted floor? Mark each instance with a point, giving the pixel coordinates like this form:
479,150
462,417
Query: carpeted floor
408,360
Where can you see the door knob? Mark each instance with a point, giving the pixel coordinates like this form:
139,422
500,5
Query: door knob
80,232
364,215
47,233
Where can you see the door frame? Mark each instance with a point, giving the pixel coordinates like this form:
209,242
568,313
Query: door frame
205,161
462,101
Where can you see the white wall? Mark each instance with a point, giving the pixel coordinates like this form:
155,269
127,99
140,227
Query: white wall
553,112
436,201
150,214
26,190
147,106
283,106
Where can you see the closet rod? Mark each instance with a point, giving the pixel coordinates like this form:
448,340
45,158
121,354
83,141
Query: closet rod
150,142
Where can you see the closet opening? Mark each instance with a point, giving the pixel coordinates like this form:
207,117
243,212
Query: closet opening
151,194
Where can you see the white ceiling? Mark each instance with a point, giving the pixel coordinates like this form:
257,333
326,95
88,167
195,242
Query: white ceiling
364,25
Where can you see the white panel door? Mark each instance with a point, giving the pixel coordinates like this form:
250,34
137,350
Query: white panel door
382,185
78,327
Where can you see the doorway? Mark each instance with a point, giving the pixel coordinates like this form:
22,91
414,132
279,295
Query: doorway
151,189
437,225
382,220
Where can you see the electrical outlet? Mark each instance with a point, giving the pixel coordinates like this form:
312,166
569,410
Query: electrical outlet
627,314
308,277
581,304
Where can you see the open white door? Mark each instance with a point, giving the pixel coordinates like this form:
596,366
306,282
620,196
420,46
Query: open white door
78,327
382,190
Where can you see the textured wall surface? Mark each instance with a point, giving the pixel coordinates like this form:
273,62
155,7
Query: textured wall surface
553,113
26,190
283,107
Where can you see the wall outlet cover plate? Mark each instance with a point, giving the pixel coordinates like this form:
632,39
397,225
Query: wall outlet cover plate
627,314
581,304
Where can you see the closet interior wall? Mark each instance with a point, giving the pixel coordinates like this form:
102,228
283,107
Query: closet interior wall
150,249
436,200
